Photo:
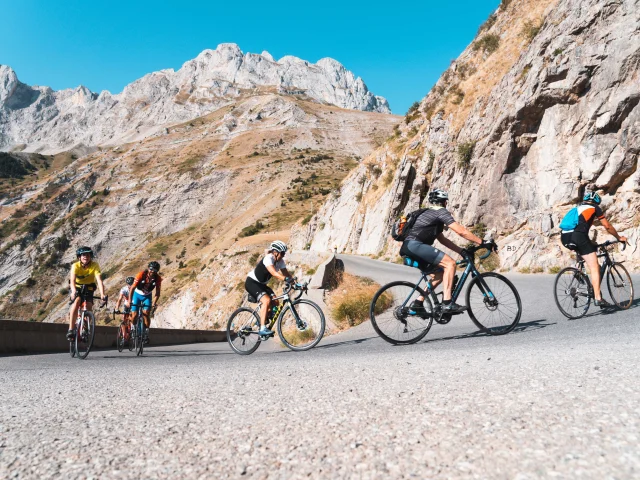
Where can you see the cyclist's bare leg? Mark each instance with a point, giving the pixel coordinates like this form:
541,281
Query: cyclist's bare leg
436,279
147,319
73,313
449,265
265,302
591,260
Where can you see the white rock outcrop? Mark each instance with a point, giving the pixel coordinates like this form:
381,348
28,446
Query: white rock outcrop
34,118
565,117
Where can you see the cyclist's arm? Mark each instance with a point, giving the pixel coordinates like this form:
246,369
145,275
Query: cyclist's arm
279,275
448,243
120,298
464,233
611,230
72,283
100,285
133,287
157,297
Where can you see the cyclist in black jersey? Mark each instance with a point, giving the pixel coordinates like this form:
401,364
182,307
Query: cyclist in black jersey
578,240
271,265
428,227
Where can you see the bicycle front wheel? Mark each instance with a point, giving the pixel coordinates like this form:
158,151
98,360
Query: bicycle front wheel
140,336
120,338
572,292
85,331
494,303
242,331
393,317
620,286
301,325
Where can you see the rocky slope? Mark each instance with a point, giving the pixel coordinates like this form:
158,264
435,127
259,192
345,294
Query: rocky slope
38,119
204,197
541,106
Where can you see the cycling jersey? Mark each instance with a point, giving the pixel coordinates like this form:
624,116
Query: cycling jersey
146,281
430,224
86,275
587,213
125,291
261,274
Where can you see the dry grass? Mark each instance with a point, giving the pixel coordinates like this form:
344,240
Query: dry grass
351,300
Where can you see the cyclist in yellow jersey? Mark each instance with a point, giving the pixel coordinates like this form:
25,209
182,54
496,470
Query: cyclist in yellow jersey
85,276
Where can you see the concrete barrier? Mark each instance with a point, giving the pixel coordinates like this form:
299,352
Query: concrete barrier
35,337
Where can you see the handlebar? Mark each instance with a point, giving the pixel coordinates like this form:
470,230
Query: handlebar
469,252
608,243
301,287
102,305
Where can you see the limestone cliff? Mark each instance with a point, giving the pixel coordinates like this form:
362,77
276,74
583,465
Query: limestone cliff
38,119
542,105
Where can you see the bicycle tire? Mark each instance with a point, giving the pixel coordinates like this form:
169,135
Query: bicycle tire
505,309
572,292
84,341
132,337
140,336
233,335
308,328
399,316
623,275
120,338
72,347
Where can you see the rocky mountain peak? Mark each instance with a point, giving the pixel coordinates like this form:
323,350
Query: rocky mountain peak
48,121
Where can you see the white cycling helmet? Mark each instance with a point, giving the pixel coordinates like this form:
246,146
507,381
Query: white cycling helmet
279,246
438,196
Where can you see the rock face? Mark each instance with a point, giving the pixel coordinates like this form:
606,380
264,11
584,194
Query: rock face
559,113
40,119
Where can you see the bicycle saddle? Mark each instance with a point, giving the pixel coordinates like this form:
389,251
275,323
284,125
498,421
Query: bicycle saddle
251,299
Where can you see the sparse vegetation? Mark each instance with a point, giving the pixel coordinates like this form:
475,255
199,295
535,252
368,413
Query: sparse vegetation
465,153
488,43
531,29
488,23
358,196
251,229
525,270
350,301
557,52
253,258
555,269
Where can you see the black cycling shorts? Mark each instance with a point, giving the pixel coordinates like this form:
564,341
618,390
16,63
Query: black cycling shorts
578,242
85,292
257,289
423,253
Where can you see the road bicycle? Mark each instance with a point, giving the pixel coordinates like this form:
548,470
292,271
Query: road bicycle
124,331
493,302
138,338
85,329
573,291
300,323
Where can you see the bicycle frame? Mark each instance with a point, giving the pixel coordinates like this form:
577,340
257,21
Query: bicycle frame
470,269
286,300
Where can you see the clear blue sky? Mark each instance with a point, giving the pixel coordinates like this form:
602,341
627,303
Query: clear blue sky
398,48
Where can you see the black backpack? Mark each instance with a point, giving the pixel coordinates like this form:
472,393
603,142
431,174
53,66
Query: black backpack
404,224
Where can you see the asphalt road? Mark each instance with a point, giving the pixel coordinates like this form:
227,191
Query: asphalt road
555,398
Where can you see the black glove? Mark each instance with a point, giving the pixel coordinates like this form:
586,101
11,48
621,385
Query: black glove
491,245
288,280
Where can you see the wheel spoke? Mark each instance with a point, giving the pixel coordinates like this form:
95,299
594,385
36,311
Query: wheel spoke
497,317
303,330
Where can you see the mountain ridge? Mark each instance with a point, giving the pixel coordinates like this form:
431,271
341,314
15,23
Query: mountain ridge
39,119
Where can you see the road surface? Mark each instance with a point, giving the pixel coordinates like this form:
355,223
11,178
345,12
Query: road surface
555,398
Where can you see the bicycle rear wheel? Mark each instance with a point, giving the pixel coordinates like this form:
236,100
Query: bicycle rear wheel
391,315
301,325
620,286
84,334
572,292
494,303
242,331
120,338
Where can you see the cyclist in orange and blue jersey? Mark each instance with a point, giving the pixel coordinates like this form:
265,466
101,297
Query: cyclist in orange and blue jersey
144,283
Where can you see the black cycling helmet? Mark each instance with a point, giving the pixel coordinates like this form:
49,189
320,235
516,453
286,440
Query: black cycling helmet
82,250
438,196
154,266
129,280
592,197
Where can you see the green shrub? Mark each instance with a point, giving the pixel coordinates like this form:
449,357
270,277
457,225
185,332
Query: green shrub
555,269
251,229
479,229
525,270
488,43
557,52
307,219
358,196
253,258
350,301
465,153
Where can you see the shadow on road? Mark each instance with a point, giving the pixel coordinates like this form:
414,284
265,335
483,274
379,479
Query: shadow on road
521,328
608,311
346,342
